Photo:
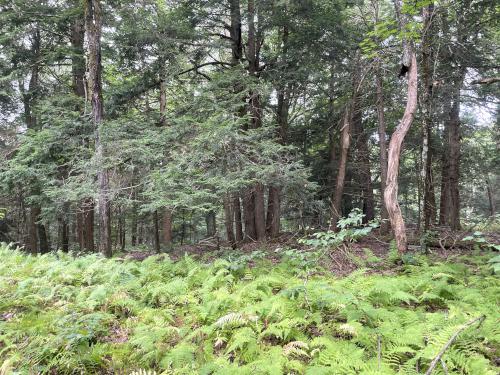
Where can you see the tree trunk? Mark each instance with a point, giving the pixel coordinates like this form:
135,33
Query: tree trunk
156,232
454,160
85,212
210,220
43,238
32,244
364,175
235,32
121,230
88,224
237,218
345,139
427,58
93,28
444,200
282,113
260,213
384,216
63,234
228,221
391,191
258,229
167,228
491,196
273,212
249,215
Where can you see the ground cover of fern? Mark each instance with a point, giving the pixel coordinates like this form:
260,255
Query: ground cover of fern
69,315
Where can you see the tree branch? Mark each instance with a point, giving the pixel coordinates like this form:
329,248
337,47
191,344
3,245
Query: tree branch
486,81
451,341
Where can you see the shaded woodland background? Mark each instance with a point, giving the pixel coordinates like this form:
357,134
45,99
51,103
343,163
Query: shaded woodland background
153,123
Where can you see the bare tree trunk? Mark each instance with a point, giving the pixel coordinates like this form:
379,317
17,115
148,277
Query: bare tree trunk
63,234
235,31
253,47
43,238
260,214
249,214
391,191
237,219
93,26
273,212
345,139
88,224
444,200
228,221
167,228
282,113
85,211
427,57
121,230
384,216
156,232
491,199
363,174
32,243
454,160
210,220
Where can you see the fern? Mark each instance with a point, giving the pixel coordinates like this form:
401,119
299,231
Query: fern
65,315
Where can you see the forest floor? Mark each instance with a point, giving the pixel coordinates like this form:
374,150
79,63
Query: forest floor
356,310
369,251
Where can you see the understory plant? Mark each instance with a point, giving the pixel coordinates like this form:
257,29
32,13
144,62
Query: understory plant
64,314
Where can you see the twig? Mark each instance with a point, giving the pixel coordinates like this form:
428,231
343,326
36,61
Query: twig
450,342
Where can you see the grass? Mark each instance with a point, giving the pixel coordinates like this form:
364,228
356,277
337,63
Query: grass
66,315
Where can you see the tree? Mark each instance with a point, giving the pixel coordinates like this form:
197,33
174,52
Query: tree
93,26
409,65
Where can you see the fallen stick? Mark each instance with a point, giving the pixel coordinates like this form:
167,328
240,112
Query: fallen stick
450,342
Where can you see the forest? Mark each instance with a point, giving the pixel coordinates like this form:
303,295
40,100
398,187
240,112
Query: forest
249,187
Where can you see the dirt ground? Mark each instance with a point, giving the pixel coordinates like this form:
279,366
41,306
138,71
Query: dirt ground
341,261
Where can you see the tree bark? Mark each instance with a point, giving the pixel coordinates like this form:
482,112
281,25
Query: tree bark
37,235
282,113
426,174
260,213
63,234
391,191
235,32
88,224
345,139
228,221
43,238
249,214
444,200
167,228
238,224
454,162
364,175
273,212
491,196
384,216
156,232
32,243
210,221
93,26
85,211
258,229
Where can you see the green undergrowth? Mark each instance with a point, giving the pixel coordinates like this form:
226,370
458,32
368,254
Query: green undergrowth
89,315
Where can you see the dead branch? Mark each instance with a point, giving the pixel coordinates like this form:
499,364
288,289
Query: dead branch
451,341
